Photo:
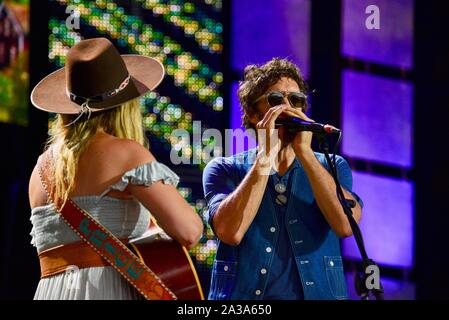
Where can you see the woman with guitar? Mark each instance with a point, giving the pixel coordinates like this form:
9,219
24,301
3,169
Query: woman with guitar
95,184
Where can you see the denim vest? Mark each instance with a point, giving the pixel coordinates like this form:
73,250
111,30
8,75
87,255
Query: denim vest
241,272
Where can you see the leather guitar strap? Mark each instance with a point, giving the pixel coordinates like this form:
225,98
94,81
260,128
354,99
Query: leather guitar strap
109,247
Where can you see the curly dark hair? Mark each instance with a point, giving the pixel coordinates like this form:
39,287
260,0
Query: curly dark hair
258,78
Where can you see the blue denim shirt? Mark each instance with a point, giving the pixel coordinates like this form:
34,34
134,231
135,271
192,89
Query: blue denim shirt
241,272
283,280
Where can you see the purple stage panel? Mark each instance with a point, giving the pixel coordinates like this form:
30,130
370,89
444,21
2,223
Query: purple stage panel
236,123
377,119
387,220
391,44
265,29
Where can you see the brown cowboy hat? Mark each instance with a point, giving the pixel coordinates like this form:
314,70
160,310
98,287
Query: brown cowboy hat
96,76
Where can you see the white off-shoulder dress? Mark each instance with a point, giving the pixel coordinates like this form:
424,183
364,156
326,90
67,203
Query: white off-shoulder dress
124,218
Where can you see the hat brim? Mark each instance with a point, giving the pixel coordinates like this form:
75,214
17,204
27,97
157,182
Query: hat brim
50,93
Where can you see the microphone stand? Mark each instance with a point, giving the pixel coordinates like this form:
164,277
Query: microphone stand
360,278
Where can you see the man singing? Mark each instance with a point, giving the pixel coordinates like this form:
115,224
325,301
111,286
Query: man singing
278,233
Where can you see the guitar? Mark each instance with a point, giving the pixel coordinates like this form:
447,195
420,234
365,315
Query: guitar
170,262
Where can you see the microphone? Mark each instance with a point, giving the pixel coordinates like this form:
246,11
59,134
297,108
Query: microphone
296,124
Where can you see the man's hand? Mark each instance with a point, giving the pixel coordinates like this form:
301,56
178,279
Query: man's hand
268,140
303,139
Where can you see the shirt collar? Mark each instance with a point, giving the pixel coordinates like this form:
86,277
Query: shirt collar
294,165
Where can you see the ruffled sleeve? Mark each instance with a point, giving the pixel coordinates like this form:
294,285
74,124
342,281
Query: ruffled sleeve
146,175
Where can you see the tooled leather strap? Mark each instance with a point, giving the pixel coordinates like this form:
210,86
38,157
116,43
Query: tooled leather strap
108,246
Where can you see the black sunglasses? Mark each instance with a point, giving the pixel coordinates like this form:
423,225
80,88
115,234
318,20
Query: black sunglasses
275,98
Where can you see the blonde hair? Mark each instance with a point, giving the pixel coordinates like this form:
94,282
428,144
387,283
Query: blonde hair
68,143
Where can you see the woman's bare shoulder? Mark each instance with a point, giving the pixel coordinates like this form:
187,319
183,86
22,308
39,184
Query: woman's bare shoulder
126,153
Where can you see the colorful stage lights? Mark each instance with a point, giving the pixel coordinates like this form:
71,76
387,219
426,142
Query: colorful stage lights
195,78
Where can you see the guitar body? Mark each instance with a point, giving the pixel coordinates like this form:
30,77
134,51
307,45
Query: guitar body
172,264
